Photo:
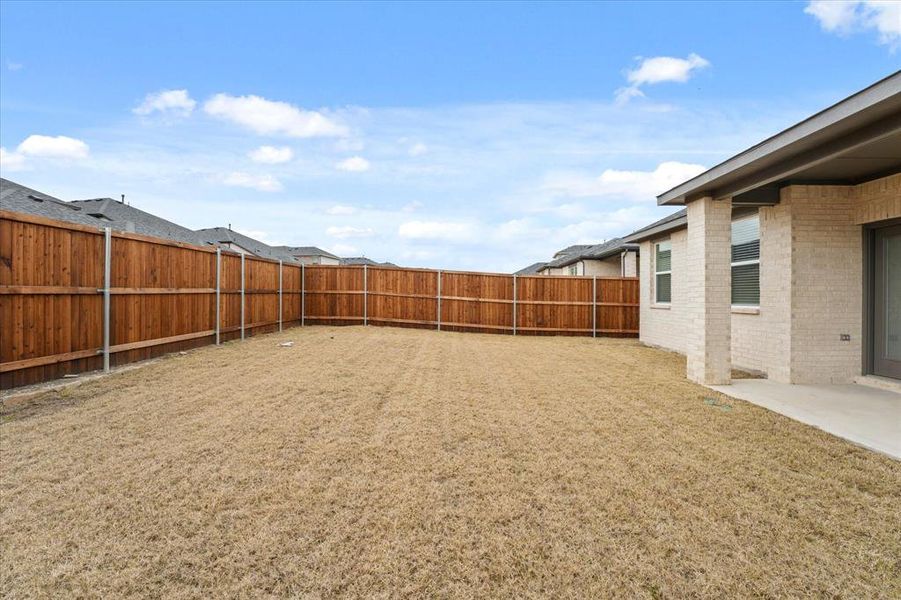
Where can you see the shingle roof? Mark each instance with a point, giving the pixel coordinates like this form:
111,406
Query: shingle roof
362,260
125,217
531,269
595,252
571,250
223,235
674,221
306,251
19,198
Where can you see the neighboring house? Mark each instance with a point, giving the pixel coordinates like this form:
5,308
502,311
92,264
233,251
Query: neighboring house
99,212
16,197
533,269
613,258
229,239
125,217
362,260
787,257
310,255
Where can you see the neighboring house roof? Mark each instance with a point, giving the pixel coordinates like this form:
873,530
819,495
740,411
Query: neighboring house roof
677,220
362,260
19,198
224,235
571,250
107,212
852,141
594,252
532,269
306,251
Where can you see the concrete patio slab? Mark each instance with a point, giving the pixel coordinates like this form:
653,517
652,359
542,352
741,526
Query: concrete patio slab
864,415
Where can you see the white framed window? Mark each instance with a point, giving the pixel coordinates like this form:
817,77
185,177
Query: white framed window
574,269
663,273
746,261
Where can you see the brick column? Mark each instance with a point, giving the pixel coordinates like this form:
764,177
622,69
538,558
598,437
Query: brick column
708,281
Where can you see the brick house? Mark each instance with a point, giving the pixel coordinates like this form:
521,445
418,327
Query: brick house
786,259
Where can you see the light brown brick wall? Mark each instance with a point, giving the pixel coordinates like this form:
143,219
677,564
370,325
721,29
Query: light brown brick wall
664,326
827,281
878,200
609,267
708,287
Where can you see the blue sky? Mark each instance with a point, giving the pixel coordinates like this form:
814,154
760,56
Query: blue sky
469,136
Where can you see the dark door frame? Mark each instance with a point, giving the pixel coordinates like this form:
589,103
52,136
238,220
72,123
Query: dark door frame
869,283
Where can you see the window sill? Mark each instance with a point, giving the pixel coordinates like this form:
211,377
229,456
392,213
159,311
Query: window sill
746,310
660,306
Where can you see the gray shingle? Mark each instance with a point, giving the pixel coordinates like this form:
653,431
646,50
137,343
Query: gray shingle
532,269
124,217
19,198
306,251
224,235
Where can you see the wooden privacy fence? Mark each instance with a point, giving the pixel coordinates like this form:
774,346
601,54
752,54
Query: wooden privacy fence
75,298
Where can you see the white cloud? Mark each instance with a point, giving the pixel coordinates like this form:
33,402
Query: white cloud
11,161
263,183
412,206
14,66
847,17
418,149
636,186
271,155
45,146
349,232
171,102
354,164
341,210
437,230
659,69
270,117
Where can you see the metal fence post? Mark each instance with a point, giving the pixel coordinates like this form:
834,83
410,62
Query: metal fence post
218,289
514,305
242,295
594,306
107,273
303,293
439,299
365,298
279,295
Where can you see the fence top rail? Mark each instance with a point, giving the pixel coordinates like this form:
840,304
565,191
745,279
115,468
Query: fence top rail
138,237
485,273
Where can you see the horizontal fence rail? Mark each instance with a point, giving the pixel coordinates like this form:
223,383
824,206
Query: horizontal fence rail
75,298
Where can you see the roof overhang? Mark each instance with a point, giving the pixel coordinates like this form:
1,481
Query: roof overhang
658,230
855,140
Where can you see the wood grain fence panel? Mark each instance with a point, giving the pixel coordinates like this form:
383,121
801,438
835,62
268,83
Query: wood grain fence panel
36,325
618,306
230,296
334,295
554,305
261,295
291,294
405,298
476,302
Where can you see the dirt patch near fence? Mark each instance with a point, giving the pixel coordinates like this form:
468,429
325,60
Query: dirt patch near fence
380,462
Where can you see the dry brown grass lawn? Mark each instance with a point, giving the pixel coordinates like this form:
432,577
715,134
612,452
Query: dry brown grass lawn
390,462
